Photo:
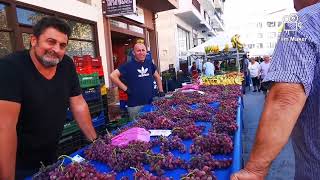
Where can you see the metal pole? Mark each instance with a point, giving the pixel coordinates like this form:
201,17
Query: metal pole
238,59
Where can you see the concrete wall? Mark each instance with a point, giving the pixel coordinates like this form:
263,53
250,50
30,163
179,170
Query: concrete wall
166,27
85,11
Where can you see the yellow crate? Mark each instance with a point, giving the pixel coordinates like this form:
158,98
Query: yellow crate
104,90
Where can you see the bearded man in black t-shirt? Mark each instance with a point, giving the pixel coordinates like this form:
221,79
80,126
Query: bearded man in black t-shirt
37,86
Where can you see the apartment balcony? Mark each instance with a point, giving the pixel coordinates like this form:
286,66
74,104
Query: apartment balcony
190,12
207,4
219,5
217,22
158,5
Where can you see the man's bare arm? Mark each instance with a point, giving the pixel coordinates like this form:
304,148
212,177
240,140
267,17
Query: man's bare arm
115,78
80,111
282,109
9,113
158,81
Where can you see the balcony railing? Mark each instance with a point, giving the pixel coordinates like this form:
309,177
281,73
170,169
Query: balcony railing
196,4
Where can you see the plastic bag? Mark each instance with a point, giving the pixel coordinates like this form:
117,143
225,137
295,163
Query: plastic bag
133,134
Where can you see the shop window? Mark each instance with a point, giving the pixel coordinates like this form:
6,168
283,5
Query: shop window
259,45
80,48
82,39
251,46
271,24
272,35
5,43
183,41
5,32
81,30
3,17
259,25
26,40
28,17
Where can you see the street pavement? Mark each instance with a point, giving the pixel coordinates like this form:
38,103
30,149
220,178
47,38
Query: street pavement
283,167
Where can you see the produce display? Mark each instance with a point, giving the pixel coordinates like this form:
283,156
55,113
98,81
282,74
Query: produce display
227,79
209,148
235,40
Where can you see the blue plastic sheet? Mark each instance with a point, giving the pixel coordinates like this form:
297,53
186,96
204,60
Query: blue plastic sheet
222,174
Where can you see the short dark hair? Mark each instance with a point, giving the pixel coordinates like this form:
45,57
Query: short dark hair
54,22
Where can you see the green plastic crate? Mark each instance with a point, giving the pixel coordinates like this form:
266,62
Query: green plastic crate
70,128
89,80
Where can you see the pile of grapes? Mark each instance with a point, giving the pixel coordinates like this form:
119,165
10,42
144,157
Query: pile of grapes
161,162
201,160
177,114
212,143
118,158
74,171
169,144
203,173
142,174
187,131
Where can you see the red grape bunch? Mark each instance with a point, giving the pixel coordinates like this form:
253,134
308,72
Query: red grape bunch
201,160
160,162
188,132
142,174
213,143
224,127
76,171
168,144
119,157
201,174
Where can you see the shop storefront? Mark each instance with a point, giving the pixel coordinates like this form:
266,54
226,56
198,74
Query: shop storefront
125,31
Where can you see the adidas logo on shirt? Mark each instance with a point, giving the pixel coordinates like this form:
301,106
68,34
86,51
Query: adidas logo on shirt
143,72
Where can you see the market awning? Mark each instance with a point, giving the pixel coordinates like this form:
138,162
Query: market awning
221,40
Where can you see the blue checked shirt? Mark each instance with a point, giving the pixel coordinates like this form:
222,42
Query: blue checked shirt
296,60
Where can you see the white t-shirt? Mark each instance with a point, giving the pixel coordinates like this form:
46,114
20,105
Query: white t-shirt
254,69
209,69
264,69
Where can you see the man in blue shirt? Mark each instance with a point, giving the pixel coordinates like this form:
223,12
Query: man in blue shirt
208,68
293,104
139,75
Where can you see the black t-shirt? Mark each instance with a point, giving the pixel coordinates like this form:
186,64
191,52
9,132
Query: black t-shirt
43,105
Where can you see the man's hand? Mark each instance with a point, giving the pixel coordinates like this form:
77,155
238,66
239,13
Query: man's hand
246,175
128,92
161,94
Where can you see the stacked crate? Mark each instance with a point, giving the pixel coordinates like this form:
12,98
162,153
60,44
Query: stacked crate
90,74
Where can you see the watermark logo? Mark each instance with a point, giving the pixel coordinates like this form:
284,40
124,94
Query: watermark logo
290,25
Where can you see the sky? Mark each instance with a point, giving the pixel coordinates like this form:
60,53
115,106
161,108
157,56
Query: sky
238,12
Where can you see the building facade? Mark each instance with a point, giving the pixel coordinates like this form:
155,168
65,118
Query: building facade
262,32
180,29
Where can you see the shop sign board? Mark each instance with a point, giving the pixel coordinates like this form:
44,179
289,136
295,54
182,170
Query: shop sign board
112,8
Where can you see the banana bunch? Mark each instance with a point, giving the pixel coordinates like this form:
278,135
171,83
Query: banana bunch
226,48
212,49
235,40
227,79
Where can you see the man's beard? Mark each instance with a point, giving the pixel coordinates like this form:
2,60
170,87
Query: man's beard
47,59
